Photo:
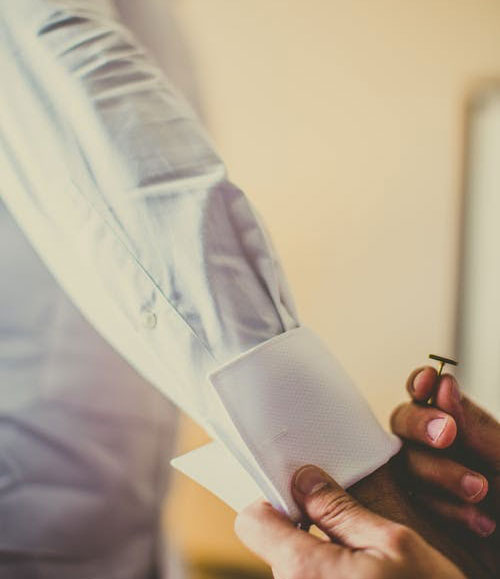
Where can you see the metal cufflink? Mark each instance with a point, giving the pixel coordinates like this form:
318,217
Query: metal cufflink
442,362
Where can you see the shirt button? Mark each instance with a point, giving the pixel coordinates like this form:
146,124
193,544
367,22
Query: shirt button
149,319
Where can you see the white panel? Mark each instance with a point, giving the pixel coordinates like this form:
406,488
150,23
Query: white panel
479,342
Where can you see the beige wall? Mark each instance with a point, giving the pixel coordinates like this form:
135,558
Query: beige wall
343,121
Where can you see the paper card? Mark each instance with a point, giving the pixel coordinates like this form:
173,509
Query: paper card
215,468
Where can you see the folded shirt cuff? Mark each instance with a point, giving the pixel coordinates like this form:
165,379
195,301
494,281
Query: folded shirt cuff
293,404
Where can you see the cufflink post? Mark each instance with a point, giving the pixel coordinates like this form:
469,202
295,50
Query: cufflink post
442,362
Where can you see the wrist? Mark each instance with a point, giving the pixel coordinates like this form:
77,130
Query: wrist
385,492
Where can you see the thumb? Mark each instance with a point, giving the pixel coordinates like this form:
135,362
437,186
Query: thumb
336,512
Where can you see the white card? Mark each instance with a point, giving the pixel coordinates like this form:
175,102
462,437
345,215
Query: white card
216,469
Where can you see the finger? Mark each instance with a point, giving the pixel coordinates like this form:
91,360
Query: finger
481,433
421,383
336,512
273,537
446,474
424,424
466,515
448,398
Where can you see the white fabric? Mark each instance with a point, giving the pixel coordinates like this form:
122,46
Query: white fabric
293,404
85,442
111,177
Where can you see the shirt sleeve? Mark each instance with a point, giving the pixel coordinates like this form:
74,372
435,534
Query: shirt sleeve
111,154
123,194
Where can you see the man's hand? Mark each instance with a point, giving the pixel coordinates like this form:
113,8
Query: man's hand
359,543
452,451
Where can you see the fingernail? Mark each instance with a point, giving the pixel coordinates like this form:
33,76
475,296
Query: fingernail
435,428
310,480
484,525
472,484
416,380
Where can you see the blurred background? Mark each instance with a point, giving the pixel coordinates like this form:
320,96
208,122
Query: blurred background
367,134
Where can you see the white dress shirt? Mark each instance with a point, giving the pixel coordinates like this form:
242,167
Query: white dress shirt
111,177
84,440
116,184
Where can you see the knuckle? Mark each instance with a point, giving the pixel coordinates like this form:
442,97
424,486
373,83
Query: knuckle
416,423
400,539
409,421
332,508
